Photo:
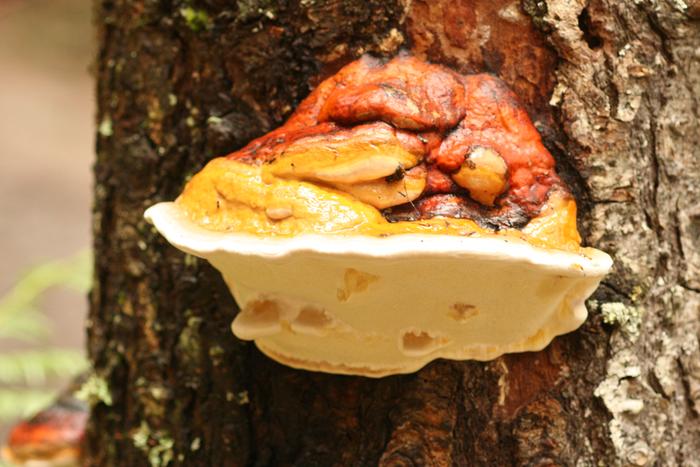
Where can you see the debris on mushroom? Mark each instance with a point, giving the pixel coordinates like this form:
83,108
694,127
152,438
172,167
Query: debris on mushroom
403,213
483,174
279,212
402,188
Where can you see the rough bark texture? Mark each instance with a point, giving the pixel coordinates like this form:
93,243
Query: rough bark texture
612,85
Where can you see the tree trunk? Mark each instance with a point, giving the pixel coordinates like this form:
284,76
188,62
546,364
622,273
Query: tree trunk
613,87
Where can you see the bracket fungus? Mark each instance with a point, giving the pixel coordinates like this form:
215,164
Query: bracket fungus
52,437
403,213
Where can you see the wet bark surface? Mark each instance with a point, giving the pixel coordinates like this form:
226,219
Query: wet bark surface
612,86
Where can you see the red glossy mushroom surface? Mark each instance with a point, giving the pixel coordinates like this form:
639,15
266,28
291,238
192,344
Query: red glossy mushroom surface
395,142
436,112
52,435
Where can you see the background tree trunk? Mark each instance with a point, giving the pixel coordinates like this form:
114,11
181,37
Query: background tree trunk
613,87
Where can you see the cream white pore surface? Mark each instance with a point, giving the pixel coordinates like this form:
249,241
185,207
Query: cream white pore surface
378,306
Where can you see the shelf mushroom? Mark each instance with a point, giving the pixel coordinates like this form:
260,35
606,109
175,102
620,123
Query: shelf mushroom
52,437
403,213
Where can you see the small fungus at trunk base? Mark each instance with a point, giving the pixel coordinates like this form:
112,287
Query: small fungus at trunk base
403,213
51,438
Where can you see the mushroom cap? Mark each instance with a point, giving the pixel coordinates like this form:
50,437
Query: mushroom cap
375,306
51,438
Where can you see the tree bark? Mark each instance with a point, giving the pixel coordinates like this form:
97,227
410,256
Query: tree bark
613,87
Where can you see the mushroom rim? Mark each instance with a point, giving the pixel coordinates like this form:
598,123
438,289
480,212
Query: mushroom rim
174,224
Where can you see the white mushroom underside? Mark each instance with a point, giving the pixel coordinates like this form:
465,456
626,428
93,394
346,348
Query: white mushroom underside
379,306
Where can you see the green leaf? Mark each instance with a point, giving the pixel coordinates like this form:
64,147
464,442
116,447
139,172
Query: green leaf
19,317
34,368
15,403
29,326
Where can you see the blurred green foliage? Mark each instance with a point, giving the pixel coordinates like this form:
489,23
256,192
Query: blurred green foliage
25,374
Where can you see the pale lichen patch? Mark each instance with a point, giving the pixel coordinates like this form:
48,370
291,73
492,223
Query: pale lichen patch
242,398
622,378
95,390
196,20
503,383
157,445
105,129
392,41
627,317
195,444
